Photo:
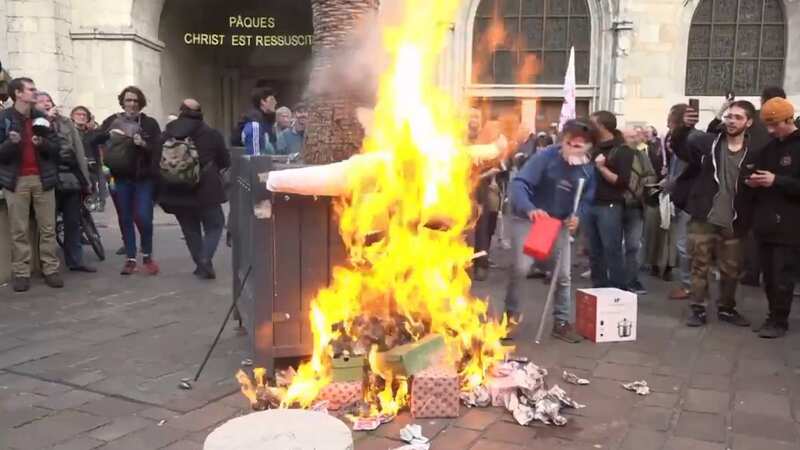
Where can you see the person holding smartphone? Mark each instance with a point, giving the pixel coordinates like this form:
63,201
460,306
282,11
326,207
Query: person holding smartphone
716,158
769,202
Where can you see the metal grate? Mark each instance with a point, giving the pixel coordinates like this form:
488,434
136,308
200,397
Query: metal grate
737,45
543,29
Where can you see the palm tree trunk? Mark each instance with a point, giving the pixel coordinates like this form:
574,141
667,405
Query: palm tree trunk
333,132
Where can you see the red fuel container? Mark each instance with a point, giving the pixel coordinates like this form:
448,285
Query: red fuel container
542,237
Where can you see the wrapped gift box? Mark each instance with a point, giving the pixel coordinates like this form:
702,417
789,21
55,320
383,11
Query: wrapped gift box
410,359
435,393
350,369
340,394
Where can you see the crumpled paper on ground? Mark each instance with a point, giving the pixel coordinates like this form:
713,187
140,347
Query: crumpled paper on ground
571,378
412,434
640,387
529,399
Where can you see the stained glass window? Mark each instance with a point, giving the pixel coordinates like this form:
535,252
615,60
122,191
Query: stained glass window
737,45
528,41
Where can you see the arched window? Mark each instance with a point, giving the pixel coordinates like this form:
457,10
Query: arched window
528,41
737,45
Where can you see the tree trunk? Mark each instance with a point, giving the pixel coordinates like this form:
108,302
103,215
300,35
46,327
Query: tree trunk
333,132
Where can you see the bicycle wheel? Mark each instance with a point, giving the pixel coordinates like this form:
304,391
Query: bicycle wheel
89,231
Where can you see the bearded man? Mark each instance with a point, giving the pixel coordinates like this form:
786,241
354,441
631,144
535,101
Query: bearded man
717,159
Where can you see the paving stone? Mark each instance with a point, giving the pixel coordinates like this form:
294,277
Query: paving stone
760,403
86,378
477,419
621,372
111,407
779,384
759,367
660,399
185,445
577,362
680,443
28,384
80,443
700,426
744,442
485,444
509,432
630,358
643,439
152,437
14,418
710,382
665,384
698,400
69,400
205,417
651,418
53,429
377,443
713,364
454,438
119,427
768,427
157,413
20,400
430,427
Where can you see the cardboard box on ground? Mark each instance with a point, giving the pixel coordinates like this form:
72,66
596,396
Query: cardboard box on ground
606,314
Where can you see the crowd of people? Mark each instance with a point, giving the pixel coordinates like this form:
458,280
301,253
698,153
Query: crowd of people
721,201
50,163
718,203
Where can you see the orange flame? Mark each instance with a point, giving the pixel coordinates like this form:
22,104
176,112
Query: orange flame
419,202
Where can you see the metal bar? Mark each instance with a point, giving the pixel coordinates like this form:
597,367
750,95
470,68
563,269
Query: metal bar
760,42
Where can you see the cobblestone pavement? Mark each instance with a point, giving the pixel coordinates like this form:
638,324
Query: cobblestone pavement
97,365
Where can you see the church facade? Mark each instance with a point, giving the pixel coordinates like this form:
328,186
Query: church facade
634,57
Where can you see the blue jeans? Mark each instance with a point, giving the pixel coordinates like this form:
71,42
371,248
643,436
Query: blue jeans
681,238
202,229
135,201
633,226
604,225
562,301
69,205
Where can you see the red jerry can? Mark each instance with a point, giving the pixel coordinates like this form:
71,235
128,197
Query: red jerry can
542,237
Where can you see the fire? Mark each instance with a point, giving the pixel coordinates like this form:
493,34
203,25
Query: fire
405,225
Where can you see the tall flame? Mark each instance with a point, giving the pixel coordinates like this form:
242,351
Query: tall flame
406,221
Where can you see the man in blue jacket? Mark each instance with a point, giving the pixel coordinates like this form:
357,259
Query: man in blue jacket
546,186
258,129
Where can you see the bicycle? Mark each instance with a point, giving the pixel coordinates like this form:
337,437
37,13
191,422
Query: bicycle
89,234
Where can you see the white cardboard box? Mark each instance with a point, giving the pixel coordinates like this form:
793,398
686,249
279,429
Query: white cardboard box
606,314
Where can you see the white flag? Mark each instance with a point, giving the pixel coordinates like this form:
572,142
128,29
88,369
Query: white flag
568,111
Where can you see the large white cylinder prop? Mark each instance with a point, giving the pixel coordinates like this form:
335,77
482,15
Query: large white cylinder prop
285,429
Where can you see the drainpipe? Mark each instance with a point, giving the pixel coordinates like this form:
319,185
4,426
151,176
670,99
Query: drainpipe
622,29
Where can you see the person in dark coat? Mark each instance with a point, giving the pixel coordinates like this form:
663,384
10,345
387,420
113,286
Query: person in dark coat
134,188
198,209
769,205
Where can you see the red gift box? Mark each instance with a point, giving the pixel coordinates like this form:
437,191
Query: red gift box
542,237
340,394
435,393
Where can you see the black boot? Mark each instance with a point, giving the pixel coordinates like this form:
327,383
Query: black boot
697,316
773,329
733,317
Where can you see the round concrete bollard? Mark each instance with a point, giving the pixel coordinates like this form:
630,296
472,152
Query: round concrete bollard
281,429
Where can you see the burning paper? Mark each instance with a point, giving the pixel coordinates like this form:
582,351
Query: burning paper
571,378
640,387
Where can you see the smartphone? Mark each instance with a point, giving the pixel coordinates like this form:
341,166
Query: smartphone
748,170
730,96
694,103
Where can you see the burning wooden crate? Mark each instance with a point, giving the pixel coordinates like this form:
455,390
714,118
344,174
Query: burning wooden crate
290,243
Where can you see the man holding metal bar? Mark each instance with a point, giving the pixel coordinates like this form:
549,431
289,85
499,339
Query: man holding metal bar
547,185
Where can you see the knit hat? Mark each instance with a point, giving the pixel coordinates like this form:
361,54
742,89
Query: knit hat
777,110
